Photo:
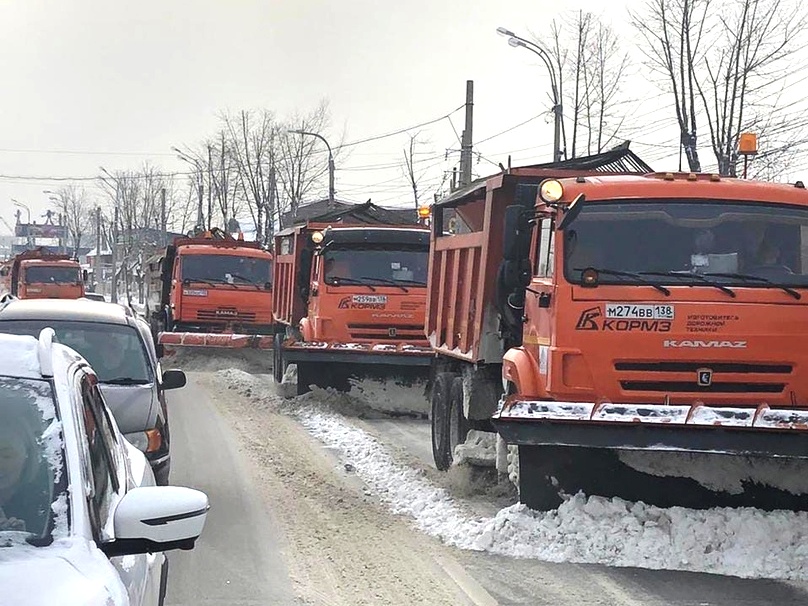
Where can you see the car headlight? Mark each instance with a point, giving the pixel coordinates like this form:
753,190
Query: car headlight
146,441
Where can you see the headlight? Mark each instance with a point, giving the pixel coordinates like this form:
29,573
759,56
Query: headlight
551,191
146,441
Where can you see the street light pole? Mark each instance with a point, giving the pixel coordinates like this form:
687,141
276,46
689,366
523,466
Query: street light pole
558,110
330,164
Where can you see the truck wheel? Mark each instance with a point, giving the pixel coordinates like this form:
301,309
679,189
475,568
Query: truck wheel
537,489
278,367
458,423
441,406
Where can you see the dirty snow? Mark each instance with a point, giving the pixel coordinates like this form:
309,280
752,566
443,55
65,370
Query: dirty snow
388,396
480,449
741,542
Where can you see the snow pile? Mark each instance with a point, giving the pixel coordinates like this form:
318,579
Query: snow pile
739,542
389,396
480,449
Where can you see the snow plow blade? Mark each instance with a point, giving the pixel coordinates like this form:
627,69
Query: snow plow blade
229,341
665,455
389,379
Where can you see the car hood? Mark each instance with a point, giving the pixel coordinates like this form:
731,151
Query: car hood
74,576
134,406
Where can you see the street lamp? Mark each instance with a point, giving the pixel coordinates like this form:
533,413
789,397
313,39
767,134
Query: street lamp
200,214
330,163
558,112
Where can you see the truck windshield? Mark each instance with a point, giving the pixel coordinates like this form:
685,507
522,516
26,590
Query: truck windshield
226,269
733,243
51,274
31,462
406,266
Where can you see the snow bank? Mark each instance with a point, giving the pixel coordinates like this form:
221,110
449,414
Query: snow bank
740,542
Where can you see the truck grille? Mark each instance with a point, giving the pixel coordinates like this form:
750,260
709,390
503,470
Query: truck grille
725,377
693,386
225,314
388,332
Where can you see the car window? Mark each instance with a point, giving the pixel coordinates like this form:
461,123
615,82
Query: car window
116,352
101,446
32,476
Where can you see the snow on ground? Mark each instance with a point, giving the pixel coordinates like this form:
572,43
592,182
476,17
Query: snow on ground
740,542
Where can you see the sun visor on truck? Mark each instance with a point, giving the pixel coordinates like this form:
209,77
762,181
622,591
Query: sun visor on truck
369,235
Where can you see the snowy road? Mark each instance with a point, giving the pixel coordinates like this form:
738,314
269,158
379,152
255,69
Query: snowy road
324,525
237,559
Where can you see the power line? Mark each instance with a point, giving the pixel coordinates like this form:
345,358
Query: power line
402,130
507,130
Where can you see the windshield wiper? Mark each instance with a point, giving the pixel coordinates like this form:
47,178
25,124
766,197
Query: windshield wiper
689,274
126,381
762,280
335,280
238,277
385,281
628,274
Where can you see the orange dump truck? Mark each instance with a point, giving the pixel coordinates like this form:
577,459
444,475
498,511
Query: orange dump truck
349,304
654,330
211,291
39,274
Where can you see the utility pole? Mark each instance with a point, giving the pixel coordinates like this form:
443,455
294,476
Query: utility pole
210,190
465,146
163,230
114,245
97,266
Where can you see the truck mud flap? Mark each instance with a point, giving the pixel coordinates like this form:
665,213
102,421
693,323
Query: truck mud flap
757,458
215,340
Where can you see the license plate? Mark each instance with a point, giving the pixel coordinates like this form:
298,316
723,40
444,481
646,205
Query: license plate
370,298
630,311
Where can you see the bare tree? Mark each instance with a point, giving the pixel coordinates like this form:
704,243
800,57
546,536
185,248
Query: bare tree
252,140
674,32
76,213
412,173
719,59
587,55
302,163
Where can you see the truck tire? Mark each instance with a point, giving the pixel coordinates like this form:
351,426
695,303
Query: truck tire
458,423
278,366
441,407
536,487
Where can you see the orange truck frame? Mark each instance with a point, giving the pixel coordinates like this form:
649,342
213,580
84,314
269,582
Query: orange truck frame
657,327
211,291
349,303
39,274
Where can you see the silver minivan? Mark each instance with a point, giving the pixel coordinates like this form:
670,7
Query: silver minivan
119,347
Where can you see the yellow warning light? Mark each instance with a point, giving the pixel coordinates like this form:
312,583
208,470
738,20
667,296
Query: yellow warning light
424,212
747,144
551,190
589,277
317,237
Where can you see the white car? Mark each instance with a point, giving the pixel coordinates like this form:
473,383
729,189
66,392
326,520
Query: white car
81,520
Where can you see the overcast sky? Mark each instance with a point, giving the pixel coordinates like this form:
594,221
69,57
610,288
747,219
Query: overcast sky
116,83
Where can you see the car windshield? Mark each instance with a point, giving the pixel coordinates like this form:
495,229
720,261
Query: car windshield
115,352
407,266
32,481
226,269
734,243
51,274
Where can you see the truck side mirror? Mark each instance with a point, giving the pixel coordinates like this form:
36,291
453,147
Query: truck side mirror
516,233
573,210
84,274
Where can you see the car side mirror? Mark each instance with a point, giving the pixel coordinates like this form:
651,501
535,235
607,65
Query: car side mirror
150,519
173,379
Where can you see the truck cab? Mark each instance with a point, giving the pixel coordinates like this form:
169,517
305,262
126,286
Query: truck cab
352,297
660,313
37,274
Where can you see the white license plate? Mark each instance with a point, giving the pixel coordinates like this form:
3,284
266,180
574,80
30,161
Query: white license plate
370,298
630,311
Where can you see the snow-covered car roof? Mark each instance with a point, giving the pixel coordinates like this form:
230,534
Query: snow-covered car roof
21,357
66,309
